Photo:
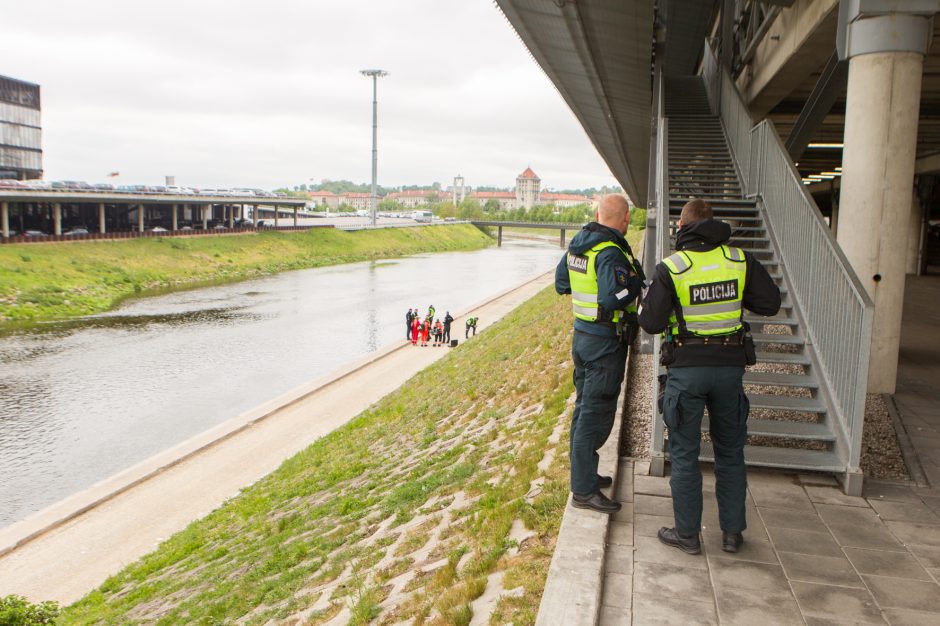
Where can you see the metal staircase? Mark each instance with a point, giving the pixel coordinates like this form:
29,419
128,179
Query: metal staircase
792,419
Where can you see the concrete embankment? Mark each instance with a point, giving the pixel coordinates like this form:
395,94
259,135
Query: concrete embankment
67,550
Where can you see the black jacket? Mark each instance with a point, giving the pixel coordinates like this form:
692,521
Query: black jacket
447,320
761,295
618,281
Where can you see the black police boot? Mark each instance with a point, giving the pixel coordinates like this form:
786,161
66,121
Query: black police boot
671,537
730,542
603,482
595,502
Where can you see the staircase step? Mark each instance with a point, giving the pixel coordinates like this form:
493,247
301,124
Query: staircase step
775,320
783,458
807,431
788,358
789,340
786,403
777,379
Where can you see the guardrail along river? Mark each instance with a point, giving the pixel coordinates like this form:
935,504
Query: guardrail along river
84,399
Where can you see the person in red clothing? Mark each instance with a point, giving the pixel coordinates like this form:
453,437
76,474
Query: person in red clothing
415,330
425,332
438,332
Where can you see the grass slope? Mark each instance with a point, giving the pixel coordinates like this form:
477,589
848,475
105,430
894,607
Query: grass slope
50,281
450,487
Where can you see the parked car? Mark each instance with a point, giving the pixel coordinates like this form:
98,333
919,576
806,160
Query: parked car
78,230
158,189
103,187
158,229
34,233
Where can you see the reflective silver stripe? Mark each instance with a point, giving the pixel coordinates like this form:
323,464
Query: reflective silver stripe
711,309
623,293
680,262
584,297
735,254
723,324
584,310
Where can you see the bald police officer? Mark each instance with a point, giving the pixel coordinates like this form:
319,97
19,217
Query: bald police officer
697,300
604,280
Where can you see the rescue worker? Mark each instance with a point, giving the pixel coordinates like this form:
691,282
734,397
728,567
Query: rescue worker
425,332
448,320
415,329
471,323
604,281
431,311
697,300
438,333
409,316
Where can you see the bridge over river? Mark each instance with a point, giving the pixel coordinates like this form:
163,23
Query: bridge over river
541,225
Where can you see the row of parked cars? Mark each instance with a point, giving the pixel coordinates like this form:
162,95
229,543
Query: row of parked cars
77,185
212,225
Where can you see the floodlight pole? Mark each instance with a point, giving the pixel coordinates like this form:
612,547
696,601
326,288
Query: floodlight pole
375,74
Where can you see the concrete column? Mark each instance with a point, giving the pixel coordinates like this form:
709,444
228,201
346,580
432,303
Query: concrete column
102,227
173,217
295,216
230,211
882,108
56,219
205,216
140,218
499,235
5,219
561,239
277,210
915,235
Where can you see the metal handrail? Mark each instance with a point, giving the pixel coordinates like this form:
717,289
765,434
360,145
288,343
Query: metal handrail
835,308
662,244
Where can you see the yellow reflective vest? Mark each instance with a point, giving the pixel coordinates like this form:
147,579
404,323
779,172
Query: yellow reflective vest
582,275
710,289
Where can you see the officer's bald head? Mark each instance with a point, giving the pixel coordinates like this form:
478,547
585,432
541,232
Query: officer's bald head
695,211
613,211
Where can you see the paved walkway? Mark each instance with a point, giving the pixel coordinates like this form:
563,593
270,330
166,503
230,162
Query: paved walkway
812,554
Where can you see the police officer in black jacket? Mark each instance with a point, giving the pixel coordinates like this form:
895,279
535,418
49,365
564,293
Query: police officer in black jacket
697,300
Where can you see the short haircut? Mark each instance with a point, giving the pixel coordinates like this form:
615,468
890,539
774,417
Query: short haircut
696,210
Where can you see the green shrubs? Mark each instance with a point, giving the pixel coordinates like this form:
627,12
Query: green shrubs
18,611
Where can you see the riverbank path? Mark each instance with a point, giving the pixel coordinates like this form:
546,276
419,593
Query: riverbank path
162,496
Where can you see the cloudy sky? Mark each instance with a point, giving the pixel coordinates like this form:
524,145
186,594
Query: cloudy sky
264,94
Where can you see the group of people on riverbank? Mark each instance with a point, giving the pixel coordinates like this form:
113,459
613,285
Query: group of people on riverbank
422,330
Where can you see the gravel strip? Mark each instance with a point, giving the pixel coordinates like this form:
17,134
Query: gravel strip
637,423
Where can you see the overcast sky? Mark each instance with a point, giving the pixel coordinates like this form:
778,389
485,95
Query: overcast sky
263,94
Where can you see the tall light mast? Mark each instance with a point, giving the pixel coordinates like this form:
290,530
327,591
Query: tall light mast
375,74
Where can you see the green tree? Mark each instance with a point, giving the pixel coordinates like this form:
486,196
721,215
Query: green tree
491,206
469,209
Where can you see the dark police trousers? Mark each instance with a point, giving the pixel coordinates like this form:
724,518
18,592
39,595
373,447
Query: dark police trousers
688,391
598,375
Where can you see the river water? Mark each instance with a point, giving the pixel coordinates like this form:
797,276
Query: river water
82,400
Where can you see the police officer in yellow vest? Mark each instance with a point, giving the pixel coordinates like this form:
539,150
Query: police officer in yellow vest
697,300
604,281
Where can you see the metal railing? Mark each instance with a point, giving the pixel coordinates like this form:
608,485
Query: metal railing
834,307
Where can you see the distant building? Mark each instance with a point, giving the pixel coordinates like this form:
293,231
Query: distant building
413,198
358,201
527,189
506,199
20,130
563,200
324,198
459,190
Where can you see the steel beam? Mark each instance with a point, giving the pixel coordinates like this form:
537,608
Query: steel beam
830,85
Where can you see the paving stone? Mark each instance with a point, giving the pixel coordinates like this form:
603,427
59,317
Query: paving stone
917,512
903,593
900,617
641,468
865,536
710,519
651,550
804,542
625,514
812,620
614,616
620,534
652,485
833,495
652,505
821,480
649,525
655,610
886,563
663,580
833,570
932,502
731,574
841,514
756,550
619,561
748,607
780,494
830,601
923,534
875,490
618,590
789,518
928,556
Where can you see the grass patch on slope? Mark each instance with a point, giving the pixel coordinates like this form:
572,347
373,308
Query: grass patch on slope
54,281
404,514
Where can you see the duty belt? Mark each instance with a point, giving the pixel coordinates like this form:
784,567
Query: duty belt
716,340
